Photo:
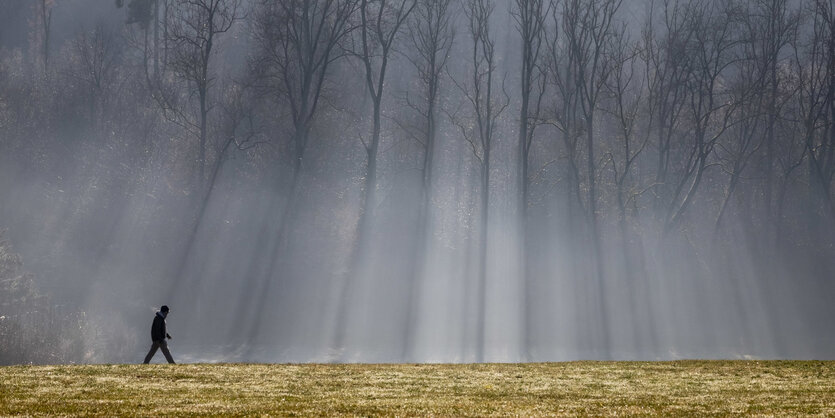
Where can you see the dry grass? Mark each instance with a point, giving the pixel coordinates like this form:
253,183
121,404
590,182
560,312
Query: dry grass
583,388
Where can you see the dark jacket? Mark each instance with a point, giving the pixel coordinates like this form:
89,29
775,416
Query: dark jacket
158,328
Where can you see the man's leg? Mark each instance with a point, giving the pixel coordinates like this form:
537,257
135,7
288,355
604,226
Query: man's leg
153,351
164,347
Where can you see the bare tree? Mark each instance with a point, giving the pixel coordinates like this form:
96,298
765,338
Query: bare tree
735,152
710,109
563,114
44,16
297,41
530,17
146,13
633,118
381,22
813,115
194,28
98,57
487,105
667,73
580,67
769,27
432,35
818,100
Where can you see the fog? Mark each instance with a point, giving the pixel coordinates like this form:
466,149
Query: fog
320,182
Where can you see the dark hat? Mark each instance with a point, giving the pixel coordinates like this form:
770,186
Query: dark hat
164,308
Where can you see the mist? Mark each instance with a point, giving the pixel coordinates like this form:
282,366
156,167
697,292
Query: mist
417,181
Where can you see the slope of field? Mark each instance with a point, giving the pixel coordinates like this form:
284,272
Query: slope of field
597,388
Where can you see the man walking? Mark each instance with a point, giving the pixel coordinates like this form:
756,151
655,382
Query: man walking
158,336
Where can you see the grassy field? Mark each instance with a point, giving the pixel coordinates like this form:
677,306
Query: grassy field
581,388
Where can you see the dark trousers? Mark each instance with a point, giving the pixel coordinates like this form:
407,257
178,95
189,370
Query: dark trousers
162,345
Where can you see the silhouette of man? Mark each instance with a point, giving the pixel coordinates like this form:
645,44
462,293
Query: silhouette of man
158,336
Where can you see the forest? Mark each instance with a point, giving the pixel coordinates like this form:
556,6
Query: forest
417,180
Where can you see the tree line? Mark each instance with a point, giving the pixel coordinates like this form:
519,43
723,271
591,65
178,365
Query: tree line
679,122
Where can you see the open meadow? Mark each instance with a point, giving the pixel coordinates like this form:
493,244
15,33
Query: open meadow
792,388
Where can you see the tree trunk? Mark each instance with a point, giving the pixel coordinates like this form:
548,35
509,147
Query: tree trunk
481,300
362,244
731,188
156,40
522,203
423,224
46,20
597,251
